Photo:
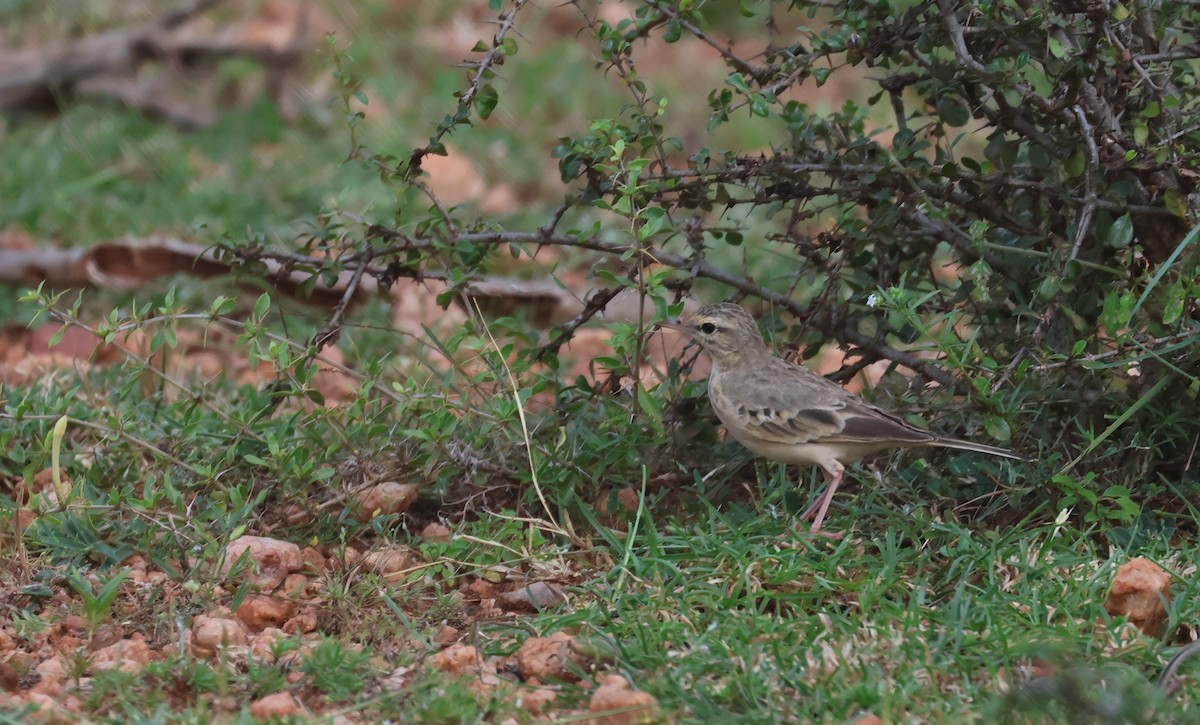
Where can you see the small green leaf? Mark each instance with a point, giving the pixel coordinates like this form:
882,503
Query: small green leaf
1176,303
486,101
1120,233
1048,289
952,112
650,405
1075,164
1175,203
653,220
262,306
998,428
221,306
736,80
674,31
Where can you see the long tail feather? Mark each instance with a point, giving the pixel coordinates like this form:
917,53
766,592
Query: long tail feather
977,447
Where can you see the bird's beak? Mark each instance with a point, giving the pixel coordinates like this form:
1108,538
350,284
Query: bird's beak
676,325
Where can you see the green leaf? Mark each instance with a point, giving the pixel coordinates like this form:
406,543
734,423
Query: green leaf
1120,233
674,31
221,306
955,114
486,101
650,405
1175,203
1075,164
262,306
1177,298
736,80
997,428
653,220
1048,289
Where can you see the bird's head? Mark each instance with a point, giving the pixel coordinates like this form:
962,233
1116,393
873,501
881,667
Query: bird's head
726,332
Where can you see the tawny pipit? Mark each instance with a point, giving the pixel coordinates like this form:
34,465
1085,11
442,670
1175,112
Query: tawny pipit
789,413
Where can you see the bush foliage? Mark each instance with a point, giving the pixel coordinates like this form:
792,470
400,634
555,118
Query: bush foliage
1005,210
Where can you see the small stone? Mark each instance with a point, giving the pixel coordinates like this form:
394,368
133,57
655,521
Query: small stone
550,657
457,659
314,561
388,559
534,597
280,705
259,611
1140,592
270,560
614,703
535,701
302,623
384,498
209,634
446,636
435,532
10,681
481,589
264,644
293,586
127,655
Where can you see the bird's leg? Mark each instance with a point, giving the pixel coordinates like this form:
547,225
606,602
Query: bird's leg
834,473
812,510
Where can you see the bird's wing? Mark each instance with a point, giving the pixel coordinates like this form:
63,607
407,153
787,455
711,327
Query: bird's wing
787,403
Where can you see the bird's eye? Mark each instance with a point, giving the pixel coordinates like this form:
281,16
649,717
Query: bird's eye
707,328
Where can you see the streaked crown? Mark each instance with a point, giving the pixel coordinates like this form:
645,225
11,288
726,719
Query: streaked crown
725,331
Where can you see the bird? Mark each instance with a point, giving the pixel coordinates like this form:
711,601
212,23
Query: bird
789,413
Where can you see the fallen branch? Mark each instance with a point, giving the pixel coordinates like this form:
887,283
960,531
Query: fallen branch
129,263
108,65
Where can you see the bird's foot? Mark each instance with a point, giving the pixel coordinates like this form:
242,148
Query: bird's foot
801,532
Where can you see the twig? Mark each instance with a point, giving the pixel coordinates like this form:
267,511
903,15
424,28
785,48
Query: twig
333,329
595,305
955,30
1083,225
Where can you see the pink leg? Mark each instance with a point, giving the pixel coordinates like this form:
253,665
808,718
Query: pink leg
823,502
808,512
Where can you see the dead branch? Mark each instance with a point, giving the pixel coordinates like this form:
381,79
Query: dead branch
129,263
110,65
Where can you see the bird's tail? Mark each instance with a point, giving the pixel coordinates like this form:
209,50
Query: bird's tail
978,448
